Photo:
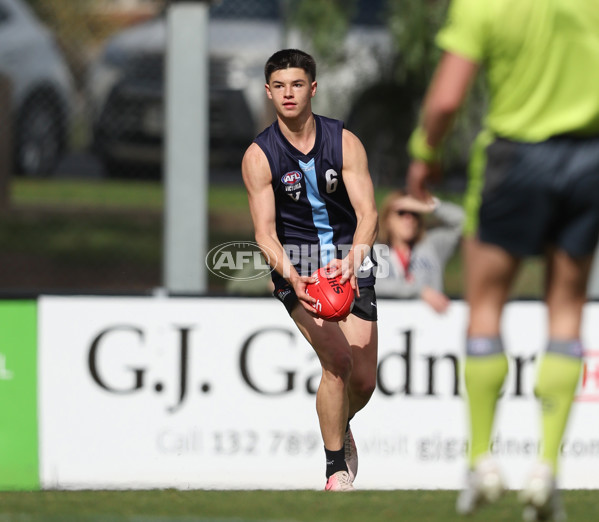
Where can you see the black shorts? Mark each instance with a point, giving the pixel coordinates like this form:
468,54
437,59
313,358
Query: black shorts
529,196
364,306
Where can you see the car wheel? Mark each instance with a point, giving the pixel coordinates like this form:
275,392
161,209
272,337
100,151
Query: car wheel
40,137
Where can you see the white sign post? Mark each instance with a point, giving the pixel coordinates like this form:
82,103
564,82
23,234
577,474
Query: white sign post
186,140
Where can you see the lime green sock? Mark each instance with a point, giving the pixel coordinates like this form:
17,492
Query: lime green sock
556,385
484,376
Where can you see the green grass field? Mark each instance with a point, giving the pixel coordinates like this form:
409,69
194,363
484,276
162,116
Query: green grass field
267,506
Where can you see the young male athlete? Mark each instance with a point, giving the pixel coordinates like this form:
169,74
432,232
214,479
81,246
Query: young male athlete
312,204
533,189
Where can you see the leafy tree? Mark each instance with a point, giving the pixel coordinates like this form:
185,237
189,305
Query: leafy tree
77,28
325,24
386,113
414,25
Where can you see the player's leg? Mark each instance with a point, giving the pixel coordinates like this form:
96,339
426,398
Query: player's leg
490,271
332,399
573,233
509,207
558,371
360,329
362,336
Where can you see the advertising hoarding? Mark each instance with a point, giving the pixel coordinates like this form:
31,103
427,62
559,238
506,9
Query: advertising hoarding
220,393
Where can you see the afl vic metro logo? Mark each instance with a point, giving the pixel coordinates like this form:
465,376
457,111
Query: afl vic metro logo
293,184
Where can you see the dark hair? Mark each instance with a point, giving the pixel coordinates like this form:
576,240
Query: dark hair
288,58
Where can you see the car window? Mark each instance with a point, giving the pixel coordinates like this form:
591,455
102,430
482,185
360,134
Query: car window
4,14
246,9
369,12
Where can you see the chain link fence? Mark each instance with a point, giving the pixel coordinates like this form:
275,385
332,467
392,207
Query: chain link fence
82,127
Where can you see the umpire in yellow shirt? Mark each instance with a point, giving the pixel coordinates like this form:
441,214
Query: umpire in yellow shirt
533,190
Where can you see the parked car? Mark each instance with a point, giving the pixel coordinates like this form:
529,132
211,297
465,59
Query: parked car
125,83
126,87
41,89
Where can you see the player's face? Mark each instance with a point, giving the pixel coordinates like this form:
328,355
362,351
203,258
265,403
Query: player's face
291,91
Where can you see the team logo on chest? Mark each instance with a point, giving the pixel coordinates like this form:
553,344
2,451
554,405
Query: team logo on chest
293,184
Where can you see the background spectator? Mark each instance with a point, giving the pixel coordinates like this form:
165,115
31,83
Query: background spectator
416,257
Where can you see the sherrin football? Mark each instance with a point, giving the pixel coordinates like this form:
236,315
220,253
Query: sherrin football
334,300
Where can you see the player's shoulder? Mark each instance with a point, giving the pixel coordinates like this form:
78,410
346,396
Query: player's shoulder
267,131
265,141
254,155
351,142
254,164
350,136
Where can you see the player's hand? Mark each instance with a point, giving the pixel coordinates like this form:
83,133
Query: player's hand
420,176
299,286
338,267
333,268
345,268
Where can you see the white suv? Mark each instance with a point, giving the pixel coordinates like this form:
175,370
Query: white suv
41,89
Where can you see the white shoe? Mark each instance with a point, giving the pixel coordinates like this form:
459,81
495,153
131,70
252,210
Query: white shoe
540,496
351,455
484,485
339,481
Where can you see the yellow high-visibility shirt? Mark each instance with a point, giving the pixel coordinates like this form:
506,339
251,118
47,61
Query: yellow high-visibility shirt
541,63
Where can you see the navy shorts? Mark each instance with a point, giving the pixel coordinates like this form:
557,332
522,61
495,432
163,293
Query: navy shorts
535,195
364,306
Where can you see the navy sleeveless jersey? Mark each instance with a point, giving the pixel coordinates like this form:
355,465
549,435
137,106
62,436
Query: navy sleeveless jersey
315,220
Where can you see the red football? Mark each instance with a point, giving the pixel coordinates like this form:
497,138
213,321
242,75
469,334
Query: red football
334,300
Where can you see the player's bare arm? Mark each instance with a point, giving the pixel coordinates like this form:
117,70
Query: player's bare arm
257,178
449,88
358,183
446,94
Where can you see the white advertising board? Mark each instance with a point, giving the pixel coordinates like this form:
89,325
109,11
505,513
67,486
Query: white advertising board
220,393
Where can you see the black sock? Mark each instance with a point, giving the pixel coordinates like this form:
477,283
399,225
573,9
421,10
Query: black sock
335,461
